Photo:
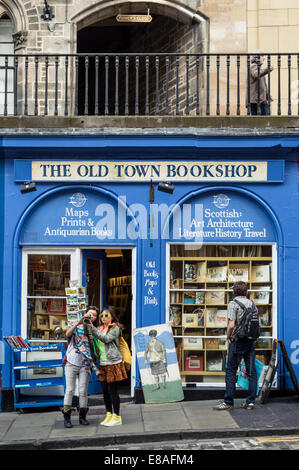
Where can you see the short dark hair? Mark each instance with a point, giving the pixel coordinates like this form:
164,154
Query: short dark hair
240,288
153,333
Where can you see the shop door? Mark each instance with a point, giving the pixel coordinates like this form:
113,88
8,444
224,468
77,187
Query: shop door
94,280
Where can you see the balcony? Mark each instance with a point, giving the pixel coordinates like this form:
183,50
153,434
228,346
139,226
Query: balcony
195,85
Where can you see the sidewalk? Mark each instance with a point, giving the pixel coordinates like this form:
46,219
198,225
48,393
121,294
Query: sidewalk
149,423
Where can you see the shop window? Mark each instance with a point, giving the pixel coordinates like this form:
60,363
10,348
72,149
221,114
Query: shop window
6,66
48,276
200,288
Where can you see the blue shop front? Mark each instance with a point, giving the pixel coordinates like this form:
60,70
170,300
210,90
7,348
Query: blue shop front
158,227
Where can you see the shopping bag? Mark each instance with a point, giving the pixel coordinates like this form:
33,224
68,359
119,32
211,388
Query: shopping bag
243,379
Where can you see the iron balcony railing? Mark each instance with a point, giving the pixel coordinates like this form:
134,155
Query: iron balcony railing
148,84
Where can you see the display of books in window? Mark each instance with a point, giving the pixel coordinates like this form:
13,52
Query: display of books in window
200,316
261,296
263,342
214,362
199,298
175,316
201,271
176,283
192,343
175,298
222,343
189,298
42,322
260,273
221,318
190,270
211,317
264,316
238,272
189,319
216,274
212,343
215,297
54,322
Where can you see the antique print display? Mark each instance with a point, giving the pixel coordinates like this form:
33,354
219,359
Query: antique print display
157,361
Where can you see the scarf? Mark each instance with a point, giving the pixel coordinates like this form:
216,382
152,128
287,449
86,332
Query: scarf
82,343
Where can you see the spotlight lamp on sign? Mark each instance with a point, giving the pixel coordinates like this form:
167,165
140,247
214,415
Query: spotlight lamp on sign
27,187
166,187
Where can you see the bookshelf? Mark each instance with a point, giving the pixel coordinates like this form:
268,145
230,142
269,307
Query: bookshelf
119,293
200,288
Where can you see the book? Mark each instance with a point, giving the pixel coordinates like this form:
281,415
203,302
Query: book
190,271
189,298
261,296
221,318
16,342
264,316
216,297
211,317
189,320
214,363
199,298
201,270
238,272
191,343
260,273
216,274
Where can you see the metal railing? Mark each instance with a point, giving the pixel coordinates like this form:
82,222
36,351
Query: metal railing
148,84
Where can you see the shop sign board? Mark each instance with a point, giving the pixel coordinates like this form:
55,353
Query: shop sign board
89,216
132,171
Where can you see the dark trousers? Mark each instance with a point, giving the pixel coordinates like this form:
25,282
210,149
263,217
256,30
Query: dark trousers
265,109
111,396
237,351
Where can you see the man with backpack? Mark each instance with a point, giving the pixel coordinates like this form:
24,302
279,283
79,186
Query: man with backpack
242,333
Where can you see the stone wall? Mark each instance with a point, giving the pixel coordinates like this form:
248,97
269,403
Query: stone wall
215,26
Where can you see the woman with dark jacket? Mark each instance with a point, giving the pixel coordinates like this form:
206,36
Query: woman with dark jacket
112,369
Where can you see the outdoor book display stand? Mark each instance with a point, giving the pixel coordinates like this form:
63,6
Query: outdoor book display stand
39,367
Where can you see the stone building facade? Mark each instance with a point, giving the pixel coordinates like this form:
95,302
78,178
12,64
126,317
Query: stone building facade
182,27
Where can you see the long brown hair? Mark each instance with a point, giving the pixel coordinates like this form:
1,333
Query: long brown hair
111,310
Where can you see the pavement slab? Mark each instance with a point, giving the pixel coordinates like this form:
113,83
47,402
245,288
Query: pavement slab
144,423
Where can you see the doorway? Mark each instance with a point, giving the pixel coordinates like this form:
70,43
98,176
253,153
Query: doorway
122,79
107,276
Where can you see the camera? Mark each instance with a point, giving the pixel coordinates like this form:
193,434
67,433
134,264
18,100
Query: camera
87,320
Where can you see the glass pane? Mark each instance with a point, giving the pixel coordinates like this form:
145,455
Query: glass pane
48,275
200,287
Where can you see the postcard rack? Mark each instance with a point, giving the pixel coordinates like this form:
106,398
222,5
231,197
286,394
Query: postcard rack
39,366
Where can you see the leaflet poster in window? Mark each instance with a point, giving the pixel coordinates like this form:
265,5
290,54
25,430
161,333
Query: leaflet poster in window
158,365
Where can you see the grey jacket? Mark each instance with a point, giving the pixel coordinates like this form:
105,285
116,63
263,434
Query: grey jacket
110,354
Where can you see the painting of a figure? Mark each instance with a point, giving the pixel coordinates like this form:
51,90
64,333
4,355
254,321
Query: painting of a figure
157,360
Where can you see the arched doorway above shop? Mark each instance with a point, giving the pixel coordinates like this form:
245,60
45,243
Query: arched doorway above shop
133,74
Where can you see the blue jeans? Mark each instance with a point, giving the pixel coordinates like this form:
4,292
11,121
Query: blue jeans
237,351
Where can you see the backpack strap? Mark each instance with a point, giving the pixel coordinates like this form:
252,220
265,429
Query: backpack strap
240,304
